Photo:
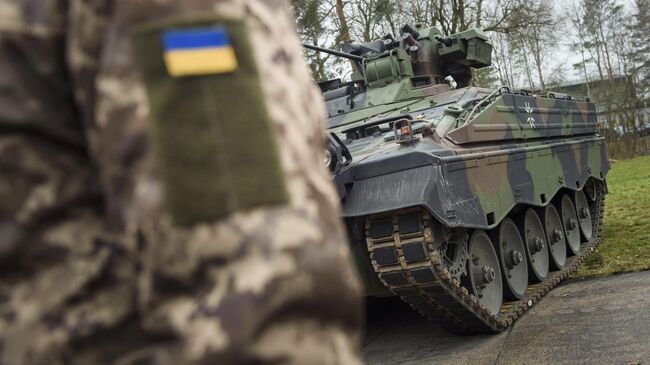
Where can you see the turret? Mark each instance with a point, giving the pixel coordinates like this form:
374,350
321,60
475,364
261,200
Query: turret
421,55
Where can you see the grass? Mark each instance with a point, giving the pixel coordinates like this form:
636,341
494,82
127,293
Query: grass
626,233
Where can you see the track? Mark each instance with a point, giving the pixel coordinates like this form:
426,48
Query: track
408,262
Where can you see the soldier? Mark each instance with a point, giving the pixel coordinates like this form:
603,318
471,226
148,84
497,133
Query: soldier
183,219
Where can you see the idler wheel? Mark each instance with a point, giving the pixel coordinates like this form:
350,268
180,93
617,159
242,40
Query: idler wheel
584,215
570,223
532,232
484,275
512,257
554,236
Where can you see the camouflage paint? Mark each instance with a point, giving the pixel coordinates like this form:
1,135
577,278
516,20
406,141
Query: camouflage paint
491,152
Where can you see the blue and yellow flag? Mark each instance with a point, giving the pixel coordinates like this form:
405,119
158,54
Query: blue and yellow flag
198,51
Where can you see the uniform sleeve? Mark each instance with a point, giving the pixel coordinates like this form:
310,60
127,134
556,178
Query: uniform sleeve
219,176
148,214
54,244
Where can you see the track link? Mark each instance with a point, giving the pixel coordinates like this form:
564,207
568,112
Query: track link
404,256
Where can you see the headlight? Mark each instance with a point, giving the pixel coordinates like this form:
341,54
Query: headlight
328,158
335,152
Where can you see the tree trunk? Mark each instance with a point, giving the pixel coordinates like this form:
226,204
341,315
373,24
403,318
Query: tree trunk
608,62
393,28
529,74
584,70
344,30
537,56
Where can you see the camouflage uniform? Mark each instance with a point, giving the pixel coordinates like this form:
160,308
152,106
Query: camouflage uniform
92,267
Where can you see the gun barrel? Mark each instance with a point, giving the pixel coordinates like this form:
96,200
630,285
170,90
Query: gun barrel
333,52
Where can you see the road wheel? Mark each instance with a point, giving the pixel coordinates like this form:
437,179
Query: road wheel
554,236
532,232
484,275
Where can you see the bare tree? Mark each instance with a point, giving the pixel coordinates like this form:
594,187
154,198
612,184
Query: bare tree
541,39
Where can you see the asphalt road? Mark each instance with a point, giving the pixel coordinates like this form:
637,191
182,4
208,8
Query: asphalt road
596,321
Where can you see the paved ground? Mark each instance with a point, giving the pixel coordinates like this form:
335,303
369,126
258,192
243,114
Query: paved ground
597,321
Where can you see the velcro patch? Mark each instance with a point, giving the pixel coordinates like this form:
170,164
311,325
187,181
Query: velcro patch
211,130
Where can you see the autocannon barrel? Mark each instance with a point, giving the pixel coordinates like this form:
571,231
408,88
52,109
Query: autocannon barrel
333,52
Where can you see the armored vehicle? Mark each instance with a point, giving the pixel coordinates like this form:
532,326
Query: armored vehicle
470,204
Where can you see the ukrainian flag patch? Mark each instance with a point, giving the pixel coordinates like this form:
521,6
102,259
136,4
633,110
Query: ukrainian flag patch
198,51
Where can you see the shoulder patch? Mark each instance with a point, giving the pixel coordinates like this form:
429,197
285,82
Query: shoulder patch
211,130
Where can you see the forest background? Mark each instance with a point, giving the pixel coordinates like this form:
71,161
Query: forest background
598,48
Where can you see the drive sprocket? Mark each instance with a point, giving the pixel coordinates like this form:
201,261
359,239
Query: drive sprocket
454,253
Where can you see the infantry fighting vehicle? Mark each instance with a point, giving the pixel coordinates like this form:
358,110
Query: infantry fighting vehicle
469,204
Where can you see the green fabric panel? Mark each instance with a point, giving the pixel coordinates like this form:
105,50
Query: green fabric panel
212,134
